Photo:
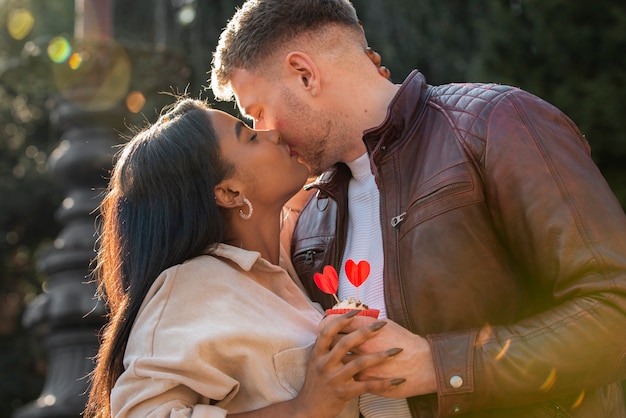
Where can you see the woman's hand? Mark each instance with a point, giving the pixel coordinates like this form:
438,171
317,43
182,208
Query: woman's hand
329,383
377,60
415,363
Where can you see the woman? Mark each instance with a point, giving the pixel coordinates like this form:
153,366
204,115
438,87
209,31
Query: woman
203,321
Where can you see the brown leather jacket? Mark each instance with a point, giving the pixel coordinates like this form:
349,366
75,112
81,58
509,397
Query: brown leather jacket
503,245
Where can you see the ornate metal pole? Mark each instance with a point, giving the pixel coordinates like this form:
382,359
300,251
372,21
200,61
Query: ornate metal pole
86,118
96,95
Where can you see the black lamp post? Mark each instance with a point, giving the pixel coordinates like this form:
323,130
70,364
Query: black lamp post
84,120
93,100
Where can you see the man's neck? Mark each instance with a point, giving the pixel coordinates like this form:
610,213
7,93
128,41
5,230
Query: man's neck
370,110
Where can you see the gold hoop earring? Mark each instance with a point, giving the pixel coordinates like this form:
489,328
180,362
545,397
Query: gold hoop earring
248,215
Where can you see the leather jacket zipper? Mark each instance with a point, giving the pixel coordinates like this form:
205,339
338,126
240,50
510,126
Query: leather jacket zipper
308,257
397,220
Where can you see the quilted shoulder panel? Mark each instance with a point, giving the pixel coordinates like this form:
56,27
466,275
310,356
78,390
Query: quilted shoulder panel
468,107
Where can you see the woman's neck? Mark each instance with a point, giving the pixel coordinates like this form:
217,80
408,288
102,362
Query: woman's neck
260,233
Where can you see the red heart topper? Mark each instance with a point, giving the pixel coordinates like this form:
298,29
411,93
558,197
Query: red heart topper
357,273
328,281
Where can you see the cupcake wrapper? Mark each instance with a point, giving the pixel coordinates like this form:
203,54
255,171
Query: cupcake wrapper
363,312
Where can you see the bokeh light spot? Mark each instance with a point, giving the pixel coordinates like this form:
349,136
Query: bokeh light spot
47,400
59,49
186,15
12,237
68,203
549,382
579,400
20,23
19,171
31,151
101,79
135,101
75,61
505,348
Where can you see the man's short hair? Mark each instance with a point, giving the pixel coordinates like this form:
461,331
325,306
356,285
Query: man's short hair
261,27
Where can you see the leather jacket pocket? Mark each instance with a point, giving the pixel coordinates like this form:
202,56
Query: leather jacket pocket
441,194
309,256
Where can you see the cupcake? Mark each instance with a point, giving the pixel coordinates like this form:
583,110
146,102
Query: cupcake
328,282
351,304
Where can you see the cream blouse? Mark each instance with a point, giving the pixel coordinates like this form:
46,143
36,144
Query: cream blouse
222,333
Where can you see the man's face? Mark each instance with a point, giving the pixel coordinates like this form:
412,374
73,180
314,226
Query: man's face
309,131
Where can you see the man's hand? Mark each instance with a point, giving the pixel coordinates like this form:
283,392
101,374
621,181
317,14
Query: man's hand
415,363
329,382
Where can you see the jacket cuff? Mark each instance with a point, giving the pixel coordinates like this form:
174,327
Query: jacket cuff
458,378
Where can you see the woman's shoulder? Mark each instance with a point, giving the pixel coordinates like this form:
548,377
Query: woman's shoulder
211,257
212,267
199,282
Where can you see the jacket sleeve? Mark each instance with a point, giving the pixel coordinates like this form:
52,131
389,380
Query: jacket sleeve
172,365
558,217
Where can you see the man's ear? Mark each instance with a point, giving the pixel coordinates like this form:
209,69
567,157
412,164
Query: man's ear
227,194
301,65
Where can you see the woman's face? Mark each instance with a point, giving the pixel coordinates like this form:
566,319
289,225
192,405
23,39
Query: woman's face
262,161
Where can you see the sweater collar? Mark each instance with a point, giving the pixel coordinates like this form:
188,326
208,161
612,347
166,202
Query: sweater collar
360,168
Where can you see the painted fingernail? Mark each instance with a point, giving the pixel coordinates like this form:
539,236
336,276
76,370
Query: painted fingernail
377,325
396,382
393,351
352,313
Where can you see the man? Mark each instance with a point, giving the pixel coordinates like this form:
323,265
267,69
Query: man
497,249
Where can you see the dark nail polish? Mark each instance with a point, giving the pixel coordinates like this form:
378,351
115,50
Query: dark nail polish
377,325
396,382
393,351
352,313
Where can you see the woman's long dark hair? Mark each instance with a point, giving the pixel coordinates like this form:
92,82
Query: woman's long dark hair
159,210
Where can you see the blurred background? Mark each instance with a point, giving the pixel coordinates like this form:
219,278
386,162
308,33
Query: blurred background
75,74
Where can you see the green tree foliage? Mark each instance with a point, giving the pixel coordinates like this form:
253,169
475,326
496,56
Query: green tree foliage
27,203
435,37
570,53
28,194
